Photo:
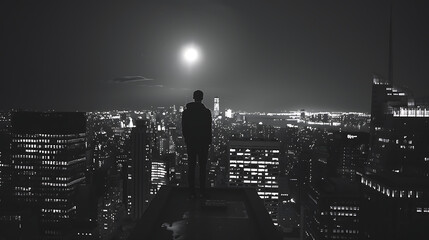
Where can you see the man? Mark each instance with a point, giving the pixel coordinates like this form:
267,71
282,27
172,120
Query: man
197,131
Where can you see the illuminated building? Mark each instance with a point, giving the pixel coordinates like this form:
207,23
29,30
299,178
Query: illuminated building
48,159
158,176
139,170
216,107
229,113
110,206
256,164
332,210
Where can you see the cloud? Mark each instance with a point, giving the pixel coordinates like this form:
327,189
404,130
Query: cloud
128,79
139,81
155,85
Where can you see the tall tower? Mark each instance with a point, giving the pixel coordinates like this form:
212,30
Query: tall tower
48,158
216,107
139,170
397,170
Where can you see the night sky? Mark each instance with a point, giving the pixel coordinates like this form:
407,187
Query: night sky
256,55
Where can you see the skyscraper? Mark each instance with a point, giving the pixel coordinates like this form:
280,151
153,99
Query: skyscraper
256,164
395,186
216,107
139,170
397,135
48,158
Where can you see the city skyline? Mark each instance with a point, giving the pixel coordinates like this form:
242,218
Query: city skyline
256,57
314,124
318,175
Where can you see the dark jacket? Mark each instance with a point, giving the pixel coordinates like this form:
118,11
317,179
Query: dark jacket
197,125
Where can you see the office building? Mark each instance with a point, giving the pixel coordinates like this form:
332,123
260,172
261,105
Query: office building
256,164
348,152
48,160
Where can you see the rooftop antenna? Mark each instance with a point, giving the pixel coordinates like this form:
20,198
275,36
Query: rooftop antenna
390,43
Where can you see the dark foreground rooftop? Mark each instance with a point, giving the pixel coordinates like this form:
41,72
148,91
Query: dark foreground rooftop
225,214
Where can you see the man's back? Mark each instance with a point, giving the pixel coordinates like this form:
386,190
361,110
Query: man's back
197,131
196,124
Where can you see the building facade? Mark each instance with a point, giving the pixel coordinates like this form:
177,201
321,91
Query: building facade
48,160
139,170
255,164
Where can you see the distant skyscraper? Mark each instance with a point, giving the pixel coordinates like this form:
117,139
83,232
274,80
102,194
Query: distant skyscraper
139,170
216,107
256,164
48,158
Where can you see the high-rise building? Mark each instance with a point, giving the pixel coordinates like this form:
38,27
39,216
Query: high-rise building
398,125
158,176
48,160
395,186
348,152
330,200
255,164
139,170
5,168
332,210
395,206
397,135
216,107
110,206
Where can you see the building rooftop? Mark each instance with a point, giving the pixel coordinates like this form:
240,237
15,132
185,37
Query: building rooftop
400,180
226,213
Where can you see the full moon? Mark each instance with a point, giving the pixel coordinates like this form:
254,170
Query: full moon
190,54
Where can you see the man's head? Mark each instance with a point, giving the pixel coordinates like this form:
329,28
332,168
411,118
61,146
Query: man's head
198,96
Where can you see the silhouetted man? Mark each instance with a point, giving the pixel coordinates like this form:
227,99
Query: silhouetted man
197,130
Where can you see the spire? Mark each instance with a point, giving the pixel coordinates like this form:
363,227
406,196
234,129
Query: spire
390,73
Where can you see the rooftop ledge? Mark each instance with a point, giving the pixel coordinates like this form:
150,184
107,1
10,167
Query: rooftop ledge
226,213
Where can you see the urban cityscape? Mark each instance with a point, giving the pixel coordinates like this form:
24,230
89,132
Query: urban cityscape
123,173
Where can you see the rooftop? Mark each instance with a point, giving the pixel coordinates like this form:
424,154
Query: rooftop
226,213
400,180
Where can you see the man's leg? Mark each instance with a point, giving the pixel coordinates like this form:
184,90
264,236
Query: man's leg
202,160
192,158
